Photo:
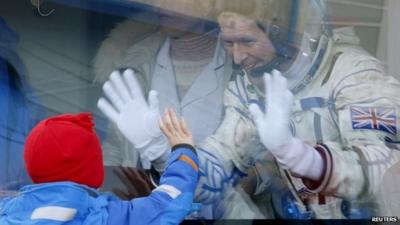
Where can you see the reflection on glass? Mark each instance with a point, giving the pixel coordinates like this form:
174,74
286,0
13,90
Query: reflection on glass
206,60
18,114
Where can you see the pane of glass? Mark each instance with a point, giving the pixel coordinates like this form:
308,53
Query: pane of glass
206,59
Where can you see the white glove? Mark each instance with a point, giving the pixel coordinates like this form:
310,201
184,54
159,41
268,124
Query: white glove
274,130
135,119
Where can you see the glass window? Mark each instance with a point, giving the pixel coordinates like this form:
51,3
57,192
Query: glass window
206,59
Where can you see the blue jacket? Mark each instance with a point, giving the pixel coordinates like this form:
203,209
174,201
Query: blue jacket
73,204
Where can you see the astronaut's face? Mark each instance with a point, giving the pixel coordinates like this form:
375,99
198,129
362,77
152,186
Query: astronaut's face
246,42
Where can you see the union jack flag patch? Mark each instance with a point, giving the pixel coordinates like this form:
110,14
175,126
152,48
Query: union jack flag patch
374,118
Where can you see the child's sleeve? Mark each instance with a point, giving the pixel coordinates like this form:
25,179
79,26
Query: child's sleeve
171,201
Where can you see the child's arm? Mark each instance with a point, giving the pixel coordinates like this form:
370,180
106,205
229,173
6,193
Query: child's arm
183,157
171,201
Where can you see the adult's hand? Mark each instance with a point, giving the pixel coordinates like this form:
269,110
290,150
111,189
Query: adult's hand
135,118
274,130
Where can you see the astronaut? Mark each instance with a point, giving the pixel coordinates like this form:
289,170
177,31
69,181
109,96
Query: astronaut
329,119
330,152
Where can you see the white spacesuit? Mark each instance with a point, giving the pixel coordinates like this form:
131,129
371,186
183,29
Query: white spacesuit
345,106
345,111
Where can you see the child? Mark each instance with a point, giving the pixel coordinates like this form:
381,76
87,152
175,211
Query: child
64,159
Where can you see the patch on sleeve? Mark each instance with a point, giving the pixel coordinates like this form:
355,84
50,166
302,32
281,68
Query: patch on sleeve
172,191
55,213
189,161
374,118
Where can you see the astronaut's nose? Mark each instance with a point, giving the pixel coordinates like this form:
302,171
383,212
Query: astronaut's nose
239,54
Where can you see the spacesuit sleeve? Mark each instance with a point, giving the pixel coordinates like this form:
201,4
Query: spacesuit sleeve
366,105
171,201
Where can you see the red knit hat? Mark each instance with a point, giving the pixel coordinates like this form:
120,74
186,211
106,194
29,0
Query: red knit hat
65,148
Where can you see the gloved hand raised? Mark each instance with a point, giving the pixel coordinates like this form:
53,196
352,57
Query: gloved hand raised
273,126
274,130
136,119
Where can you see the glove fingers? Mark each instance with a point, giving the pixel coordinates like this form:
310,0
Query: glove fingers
283,93
268,83
288,97
133,84
111,94
279,85
153,100
256,113
107,110
288,101
120,87
282,82
279,94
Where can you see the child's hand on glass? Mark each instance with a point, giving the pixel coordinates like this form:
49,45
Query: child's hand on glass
175,129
